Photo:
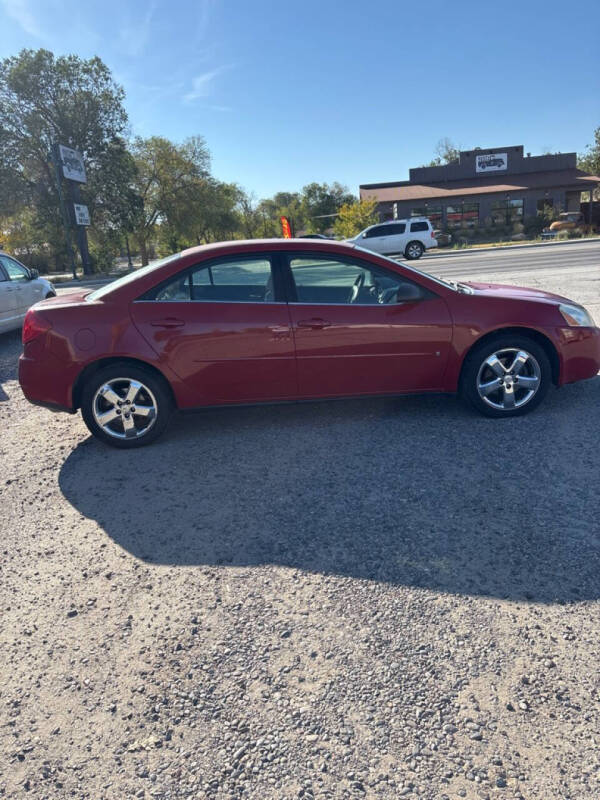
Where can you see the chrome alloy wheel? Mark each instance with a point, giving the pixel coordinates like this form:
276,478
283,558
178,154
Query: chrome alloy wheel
508,379
124,408
414,251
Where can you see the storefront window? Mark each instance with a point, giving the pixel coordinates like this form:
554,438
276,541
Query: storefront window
433,214
507,211
462,215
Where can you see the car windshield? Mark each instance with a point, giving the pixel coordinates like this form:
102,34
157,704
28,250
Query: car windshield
456,287
131,276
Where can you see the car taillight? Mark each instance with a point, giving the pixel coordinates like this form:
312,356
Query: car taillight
34,325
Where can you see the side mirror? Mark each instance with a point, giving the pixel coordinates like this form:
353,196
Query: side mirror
33,274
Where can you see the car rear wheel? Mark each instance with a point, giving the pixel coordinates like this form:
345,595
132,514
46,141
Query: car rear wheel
414,250
125,405
506,376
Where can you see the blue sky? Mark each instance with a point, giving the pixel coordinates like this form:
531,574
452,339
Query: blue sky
288,93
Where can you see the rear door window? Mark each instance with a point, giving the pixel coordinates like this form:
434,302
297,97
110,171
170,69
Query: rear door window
243,280
419,226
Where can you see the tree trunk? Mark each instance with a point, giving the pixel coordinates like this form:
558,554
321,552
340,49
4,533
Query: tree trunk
143,251
129,261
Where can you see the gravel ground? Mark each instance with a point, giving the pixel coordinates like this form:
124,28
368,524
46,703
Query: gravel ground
376,598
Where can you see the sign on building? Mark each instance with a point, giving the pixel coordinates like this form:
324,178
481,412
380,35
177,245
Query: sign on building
491,162
82,215
72,162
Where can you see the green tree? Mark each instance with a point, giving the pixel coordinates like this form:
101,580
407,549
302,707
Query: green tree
47,100
171,182
446,152
354,217
321,203
590,160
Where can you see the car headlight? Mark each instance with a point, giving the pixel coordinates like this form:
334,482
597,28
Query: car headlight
576,315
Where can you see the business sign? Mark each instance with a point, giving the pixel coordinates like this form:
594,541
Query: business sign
72,162
82,215
491,162
286,228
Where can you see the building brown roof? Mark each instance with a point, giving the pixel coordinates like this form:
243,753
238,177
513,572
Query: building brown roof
568,178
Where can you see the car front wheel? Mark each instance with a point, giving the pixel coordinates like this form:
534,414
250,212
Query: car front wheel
414,250
126,405
506,376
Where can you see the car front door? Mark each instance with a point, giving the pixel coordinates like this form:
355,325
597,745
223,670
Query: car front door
361,329
224,330
375,238
27,291
9,314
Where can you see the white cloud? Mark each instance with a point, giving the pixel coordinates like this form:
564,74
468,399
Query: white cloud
135,33
202,84
21,12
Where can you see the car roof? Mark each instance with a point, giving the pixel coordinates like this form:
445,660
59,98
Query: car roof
270,244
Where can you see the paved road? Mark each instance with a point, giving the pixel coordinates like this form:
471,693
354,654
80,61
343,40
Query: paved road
572,270
546,258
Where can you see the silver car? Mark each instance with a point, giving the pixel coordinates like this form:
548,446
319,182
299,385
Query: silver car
20,288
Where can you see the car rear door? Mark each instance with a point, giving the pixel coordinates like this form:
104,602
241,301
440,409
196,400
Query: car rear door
224,329
361,329
397,238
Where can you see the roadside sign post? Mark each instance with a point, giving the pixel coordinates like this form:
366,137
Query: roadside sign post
55,158
81,222
73,171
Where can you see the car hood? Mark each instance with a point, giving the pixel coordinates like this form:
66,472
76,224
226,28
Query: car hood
515,292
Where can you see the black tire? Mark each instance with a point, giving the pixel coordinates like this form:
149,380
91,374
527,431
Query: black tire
475,372
414,251
154,394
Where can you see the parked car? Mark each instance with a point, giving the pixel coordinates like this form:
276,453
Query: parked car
315,236
20,288
567,221
410,237
443,238
280,320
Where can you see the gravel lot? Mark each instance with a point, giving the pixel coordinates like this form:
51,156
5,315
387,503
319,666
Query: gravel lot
376,598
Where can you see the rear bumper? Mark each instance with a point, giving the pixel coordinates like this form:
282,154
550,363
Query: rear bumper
580,351
45,381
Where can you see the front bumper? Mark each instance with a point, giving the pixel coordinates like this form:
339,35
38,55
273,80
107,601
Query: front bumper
580,351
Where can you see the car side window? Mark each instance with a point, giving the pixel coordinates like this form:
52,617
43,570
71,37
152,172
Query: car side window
322,280
15,271
391,229
245,280
418,226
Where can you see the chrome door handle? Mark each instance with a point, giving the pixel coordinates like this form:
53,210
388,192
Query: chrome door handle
167,322
315,324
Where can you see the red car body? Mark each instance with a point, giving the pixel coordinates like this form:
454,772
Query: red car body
246,352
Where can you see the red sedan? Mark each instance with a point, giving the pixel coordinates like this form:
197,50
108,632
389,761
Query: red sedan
281,320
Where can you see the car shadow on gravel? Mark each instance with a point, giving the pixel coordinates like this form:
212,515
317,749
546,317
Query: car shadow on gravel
415,491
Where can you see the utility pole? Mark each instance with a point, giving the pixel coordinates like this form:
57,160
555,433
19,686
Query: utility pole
55,159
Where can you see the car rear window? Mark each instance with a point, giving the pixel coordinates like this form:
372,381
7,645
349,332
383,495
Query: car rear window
131,276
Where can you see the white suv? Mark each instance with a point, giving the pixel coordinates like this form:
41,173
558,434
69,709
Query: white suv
411,237
20,288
